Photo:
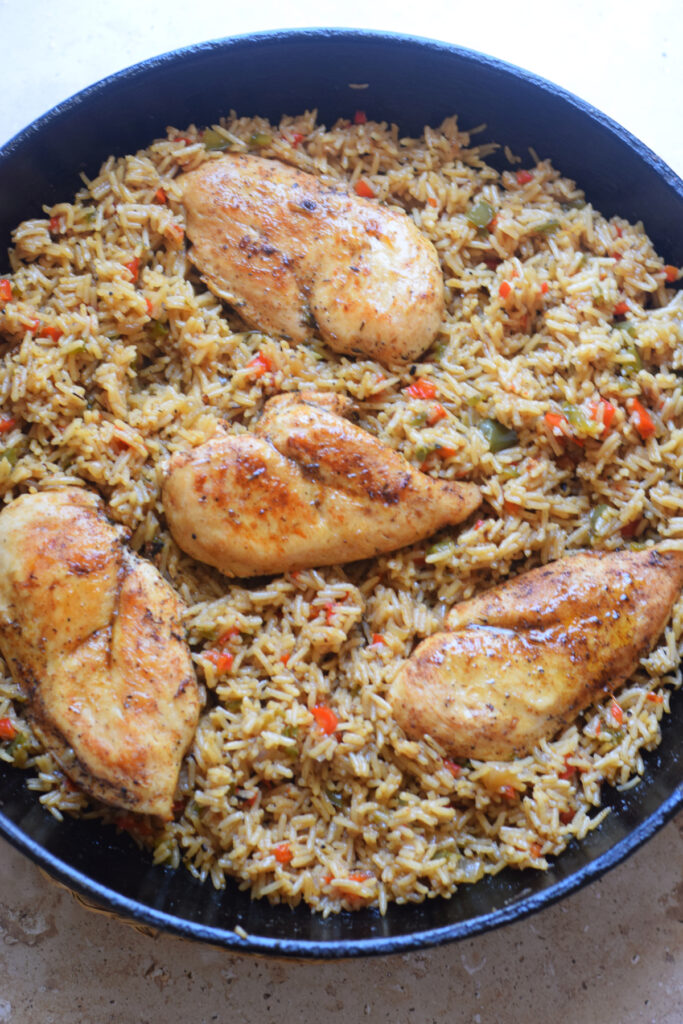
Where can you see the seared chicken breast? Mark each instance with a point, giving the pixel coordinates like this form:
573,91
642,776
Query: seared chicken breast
92,634
522,660
307,488
295,256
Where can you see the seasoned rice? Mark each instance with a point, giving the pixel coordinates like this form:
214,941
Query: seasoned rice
115,356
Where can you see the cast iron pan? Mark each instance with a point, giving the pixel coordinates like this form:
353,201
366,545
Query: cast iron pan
412,82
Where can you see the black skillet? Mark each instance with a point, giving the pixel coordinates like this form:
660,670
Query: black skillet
412,82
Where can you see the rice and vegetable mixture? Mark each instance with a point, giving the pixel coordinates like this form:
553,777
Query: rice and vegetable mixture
553,384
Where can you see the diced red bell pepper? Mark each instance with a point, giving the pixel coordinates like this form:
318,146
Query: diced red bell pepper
53,333
641,418
603,412
421,389
7,729
325,718
362,188
223,660
283,853
260,364
133,268
617,712
436,413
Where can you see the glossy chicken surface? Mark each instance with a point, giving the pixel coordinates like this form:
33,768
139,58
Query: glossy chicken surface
92,634
307,488
521,661
296,257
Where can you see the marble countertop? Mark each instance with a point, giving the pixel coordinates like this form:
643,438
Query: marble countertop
612,953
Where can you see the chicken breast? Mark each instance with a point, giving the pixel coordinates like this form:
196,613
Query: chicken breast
307,488
92,634
296,257
522,660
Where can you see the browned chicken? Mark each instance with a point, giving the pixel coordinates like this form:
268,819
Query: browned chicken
522,660
307,488
296,257
92,634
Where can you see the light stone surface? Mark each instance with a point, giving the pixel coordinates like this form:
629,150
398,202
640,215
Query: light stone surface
610,954
623,56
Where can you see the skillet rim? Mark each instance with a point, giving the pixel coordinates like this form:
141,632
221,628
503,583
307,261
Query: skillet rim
513,909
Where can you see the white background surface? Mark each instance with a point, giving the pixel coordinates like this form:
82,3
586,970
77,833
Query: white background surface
624,57
611,954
